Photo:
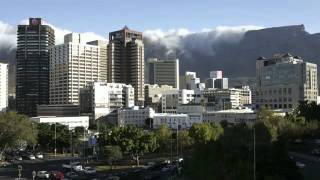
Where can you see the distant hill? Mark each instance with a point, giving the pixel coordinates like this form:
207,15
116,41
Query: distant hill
236,59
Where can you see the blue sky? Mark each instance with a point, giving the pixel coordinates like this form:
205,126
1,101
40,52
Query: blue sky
102,16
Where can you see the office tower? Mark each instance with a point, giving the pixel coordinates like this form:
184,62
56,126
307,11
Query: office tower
32,74
73,65
284,80
3,86
217,81
164,72
126,60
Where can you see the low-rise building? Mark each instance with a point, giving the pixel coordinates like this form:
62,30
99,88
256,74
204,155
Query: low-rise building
233,116
59,110
173,121
172,98
222,99
71,122
194,111
134,116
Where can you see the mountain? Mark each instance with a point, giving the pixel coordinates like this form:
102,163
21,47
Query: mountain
234,54
237,59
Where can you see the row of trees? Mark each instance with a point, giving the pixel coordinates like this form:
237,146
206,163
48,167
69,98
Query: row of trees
17,131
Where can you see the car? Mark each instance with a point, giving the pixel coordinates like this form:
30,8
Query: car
18,158
113,178
31,157
43,174
39,155
71,175
76,166
167,161
4,163
315,151
300,165
89,170
56,175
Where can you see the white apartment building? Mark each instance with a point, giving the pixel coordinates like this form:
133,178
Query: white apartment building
3,86
153,94
217,81
73,65
285,80
233,116
192,82
134,116
245,95
100,98
71,122
222,99
164,72
172,98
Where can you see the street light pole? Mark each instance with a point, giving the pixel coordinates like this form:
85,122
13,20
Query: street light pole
254,153
55,139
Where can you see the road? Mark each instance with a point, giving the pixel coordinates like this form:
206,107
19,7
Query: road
11,172
311,171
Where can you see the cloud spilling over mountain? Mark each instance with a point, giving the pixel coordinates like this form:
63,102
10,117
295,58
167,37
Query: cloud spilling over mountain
205,41
231,49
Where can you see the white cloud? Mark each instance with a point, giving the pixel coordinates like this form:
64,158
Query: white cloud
8,34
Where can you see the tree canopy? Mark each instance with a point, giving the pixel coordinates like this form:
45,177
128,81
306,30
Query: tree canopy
14,129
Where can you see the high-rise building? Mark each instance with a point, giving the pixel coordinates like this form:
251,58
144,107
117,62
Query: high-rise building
164,72
32,74
73,65
285,80
126,60
3,86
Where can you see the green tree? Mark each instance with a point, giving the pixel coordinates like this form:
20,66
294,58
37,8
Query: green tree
45,136
203,133
309,110
132,140
79,131
112,154
14,129
163,135
184,139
